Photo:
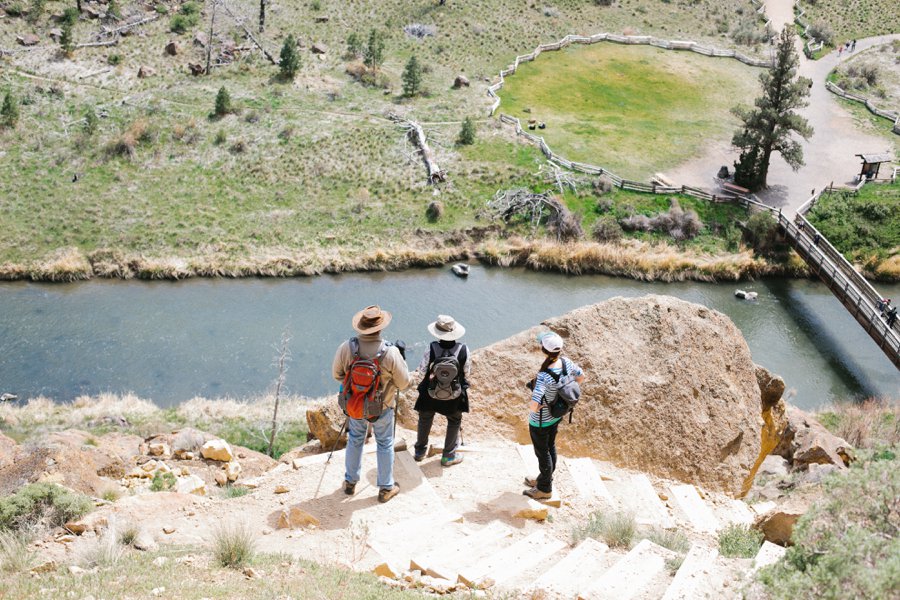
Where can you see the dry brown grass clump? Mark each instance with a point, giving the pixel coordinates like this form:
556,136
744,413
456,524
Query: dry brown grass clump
66,264
868,424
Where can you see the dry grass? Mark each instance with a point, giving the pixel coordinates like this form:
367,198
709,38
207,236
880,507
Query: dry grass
871,423
15,554
234,545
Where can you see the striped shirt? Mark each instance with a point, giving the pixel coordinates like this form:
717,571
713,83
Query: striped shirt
545,393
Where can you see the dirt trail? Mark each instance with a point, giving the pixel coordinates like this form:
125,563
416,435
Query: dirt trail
829,154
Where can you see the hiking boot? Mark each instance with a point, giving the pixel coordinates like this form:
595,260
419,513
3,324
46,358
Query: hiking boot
349,488
537,494
449,461
531,482
386,494
420,456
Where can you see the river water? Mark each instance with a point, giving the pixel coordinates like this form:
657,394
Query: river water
171,341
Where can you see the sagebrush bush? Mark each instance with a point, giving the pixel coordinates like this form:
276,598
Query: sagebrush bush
607,229
435,210
869,424
848,544
37,502
822,31
739,541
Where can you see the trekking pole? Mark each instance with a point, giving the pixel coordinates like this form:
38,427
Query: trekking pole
328,460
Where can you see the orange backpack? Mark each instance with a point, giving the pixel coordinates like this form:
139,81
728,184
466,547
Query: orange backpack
361,394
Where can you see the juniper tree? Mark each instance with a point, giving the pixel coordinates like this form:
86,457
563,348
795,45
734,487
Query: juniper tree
223,102
467,132
354,45
91,122
66,38
412,77
9,112
373,55
768,127
289,62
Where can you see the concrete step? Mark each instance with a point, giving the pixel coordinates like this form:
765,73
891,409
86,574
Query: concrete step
588,481
444,561
696,577
728,510
575,572
694,509
503,566
396,543
631,575
635,494
768,554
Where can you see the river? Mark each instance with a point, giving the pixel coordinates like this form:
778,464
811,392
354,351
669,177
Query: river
171,341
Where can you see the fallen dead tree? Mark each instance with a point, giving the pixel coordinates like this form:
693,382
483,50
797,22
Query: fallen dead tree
522,202
417,135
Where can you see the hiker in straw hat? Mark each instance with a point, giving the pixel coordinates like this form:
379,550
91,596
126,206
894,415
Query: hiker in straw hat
443,388
362,356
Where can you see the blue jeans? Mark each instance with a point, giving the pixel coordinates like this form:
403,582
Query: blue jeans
384,439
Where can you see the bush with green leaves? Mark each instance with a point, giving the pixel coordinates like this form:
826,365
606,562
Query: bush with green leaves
467,132
848,544
223,103
289,61
91,121
39,502
66,38
233,545
9,112
188,16
762,230
607,229
162,481
615,528
354,45
36,11
739,541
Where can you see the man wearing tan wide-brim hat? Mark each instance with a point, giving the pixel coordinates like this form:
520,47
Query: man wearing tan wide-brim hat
369,323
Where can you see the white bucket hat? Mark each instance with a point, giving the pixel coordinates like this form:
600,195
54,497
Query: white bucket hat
446,328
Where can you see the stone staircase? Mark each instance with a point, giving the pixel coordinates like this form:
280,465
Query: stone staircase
442,532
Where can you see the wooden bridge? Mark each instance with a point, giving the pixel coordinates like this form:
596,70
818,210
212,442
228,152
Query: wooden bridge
852,289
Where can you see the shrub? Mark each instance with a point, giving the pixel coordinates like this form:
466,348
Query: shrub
677,223
289,61
128,534
15,9
739,541
223,102
373,55
221,137
233,545
36,11
673,539
848,544
603,2
616,529
113,10
870,424
114,59
104,551
762,230
823,32
354,45
230,491
39,502
435,210
467,132
188,16
91,122
9,112
66,40
607,229
162,482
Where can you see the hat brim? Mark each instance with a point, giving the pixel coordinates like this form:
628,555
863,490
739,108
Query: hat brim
358,317
447,336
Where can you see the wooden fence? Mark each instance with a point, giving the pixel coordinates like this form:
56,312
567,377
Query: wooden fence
886,114
811,46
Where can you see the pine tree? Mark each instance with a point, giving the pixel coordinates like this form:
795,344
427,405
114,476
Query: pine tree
223,102
767,128
412,78
467,132
91,122
289,62
10,110
67,38
373,56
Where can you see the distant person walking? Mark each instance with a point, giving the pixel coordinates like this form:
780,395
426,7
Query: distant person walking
443,389
840,49
892,316
542,425
370,370
853,46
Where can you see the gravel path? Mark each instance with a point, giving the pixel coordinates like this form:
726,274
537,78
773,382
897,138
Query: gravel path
830,154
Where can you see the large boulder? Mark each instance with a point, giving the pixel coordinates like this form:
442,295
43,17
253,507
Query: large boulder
670,389
805,441
325,421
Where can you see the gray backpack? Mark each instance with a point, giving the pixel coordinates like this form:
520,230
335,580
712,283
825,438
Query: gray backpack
444,374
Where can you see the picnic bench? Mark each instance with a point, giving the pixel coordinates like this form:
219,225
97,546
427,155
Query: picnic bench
734,189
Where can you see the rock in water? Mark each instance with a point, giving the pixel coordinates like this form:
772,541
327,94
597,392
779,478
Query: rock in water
670,389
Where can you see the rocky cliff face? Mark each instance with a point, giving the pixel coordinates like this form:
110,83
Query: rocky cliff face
670,388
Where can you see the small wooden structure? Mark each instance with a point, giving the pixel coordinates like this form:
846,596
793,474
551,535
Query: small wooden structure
871,164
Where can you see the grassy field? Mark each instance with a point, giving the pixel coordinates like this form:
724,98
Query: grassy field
310,170
874,74
853,19
865,227
631,110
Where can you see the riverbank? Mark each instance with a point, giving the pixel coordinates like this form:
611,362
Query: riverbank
635,259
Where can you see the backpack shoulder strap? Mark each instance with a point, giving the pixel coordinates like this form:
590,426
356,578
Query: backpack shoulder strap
552,374
354,347
564,370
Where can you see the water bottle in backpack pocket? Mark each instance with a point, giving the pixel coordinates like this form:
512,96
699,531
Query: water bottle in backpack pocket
444,381
361,395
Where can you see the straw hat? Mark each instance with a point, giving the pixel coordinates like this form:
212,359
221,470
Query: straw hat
446,328
371,319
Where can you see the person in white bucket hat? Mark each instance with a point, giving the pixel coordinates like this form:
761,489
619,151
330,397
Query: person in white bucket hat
443,389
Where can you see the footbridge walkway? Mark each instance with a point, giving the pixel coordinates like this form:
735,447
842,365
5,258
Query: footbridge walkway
852,289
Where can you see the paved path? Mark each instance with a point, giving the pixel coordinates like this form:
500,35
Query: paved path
830,154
